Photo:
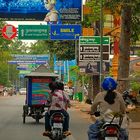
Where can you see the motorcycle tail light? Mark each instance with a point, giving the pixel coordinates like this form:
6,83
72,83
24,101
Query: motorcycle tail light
58,119
111,130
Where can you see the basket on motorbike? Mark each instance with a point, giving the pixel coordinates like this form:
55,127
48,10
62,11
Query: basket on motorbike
37,94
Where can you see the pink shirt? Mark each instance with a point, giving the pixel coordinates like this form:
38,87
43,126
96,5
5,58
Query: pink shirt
59,100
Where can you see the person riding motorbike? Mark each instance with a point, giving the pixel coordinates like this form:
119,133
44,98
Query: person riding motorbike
58,103
109,99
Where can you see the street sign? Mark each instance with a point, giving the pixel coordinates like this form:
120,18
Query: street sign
9,32
27,62
30,57
94,40
21,68
89,48
65,32
33,32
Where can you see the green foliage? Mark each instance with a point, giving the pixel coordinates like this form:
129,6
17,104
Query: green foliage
135,86
95,6
135,81
8,47
138,53
135,4
75,71
64,50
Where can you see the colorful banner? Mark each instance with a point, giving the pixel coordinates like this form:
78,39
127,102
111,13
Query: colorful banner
42,10
40,90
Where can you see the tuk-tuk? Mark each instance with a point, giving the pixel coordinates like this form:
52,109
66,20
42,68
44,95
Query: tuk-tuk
37,94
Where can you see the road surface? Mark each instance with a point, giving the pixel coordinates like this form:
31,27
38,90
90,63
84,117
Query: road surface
12,128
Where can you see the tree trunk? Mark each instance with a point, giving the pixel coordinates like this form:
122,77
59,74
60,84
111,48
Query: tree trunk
124,56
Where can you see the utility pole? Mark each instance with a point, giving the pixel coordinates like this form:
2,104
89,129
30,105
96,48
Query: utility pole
101,41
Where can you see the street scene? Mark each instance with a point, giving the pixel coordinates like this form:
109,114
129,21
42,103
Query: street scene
69,70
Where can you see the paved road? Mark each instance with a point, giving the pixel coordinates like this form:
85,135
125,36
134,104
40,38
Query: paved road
12,128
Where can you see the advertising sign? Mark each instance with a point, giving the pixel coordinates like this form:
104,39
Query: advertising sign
40,90
65,32
33,32
28,62
48,10
30,57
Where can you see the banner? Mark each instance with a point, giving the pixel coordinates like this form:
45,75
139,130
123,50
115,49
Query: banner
51,11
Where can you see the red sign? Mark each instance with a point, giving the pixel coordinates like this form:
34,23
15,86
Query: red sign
47,80
9,32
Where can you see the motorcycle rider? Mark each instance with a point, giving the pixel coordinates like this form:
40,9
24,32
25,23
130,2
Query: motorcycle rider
58,103
109,99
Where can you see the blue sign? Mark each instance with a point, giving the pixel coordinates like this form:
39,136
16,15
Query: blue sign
24,57
21,68
28,62
65,32
42,10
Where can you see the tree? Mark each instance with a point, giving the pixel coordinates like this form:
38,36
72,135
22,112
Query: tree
130,21
8,72
130,31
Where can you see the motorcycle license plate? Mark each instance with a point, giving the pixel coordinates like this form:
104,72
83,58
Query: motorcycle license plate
57,125
111,138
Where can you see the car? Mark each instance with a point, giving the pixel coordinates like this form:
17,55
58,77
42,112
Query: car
22,91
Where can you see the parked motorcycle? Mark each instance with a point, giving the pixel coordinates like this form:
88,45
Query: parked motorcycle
130,100
56,123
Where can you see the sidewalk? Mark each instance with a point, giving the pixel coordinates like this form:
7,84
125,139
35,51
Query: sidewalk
134,127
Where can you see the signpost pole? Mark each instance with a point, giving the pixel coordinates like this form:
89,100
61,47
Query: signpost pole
101,41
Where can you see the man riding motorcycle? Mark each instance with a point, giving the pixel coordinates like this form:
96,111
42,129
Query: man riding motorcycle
58,103
109,99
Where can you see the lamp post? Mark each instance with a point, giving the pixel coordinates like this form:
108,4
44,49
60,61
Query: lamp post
101,41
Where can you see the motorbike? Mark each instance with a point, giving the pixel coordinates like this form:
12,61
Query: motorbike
109,130
130,100
56,123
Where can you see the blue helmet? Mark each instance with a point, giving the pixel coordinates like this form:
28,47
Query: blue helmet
109,84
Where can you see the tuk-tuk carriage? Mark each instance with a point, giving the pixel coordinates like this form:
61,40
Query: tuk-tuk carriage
37,94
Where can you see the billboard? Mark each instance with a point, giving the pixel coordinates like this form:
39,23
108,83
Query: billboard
41,10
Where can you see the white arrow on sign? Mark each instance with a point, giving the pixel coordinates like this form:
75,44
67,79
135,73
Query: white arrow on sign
22,32
9,31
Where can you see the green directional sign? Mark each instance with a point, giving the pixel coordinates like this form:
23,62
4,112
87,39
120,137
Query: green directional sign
94,40
33,32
